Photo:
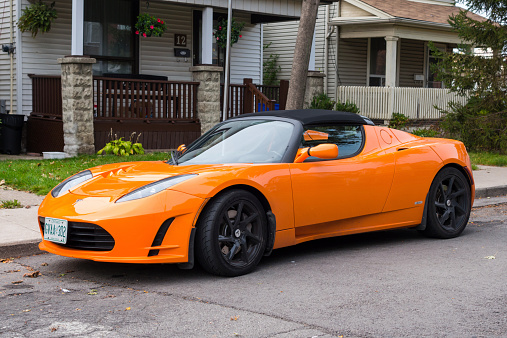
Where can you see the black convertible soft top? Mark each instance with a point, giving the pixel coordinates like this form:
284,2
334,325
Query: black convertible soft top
314,116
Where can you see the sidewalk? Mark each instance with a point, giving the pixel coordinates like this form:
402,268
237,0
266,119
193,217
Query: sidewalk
20,234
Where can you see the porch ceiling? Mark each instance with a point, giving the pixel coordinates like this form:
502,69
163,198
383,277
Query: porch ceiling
401,29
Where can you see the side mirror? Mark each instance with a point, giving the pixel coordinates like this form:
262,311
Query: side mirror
314,135
326,151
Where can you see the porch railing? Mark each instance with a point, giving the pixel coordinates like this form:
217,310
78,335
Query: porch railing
131,99
122,99
382,102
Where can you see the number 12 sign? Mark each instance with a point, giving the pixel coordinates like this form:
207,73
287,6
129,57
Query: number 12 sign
180,40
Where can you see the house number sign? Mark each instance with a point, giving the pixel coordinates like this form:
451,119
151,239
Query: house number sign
180,40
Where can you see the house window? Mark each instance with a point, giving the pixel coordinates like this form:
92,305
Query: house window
377,76
431,80
109,36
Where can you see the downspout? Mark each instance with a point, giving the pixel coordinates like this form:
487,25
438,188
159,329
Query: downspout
11,54
327,35
19,65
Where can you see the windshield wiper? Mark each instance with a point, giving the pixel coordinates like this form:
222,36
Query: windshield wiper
174,157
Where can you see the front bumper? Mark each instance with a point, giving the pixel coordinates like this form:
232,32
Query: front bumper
133,225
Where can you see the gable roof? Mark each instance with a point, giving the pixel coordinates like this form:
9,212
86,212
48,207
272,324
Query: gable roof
418,10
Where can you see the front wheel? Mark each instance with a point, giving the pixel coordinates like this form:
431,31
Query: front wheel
231,234
449,204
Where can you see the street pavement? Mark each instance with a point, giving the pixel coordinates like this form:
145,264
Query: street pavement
20,232
383,284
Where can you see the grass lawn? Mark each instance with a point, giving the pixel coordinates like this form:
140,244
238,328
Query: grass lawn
40,176
488,159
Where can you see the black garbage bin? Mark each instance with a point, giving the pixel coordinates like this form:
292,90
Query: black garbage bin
11,130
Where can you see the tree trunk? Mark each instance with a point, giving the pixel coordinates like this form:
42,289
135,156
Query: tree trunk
302,50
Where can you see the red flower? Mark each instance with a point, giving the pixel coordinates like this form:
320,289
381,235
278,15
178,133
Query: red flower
218,38
241,36
151,26
137,32
158,20
144,34
219,28
162,22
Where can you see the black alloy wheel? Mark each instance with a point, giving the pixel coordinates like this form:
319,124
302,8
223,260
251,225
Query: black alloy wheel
231,234
449,204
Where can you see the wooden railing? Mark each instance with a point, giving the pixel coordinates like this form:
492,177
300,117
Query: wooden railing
46,95
382,102
260,101
132,99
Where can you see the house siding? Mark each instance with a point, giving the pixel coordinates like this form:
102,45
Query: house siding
352,62
40,54
5,63
411,62
156,55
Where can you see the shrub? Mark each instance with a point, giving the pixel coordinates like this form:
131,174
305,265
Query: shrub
270,68
398,121
148,25
322,101
347,106
119,147
425,132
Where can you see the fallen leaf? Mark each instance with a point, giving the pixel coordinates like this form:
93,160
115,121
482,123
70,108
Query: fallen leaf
2,182
44,264
92,292
5,260
127,309
17,282
235,318
61,275
27,310
27,207
34,274
490,257
12,271
53,329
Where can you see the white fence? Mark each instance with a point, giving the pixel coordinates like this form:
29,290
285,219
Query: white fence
382,102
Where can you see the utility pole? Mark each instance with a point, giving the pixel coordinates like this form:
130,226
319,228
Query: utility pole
302,50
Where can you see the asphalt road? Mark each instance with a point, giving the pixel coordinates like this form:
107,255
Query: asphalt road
385,284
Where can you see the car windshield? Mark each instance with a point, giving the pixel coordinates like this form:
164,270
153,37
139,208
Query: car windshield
242,141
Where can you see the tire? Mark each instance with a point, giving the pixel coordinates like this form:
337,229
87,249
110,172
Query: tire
449,204
231,234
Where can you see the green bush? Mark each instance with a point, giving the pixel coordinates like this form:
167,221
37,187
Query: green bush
270,68
425,132
480,128
322,101
347,106
398,121
119,147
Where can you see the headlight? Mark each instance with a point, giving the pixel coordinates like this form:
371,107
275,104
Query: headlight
154,187
71,182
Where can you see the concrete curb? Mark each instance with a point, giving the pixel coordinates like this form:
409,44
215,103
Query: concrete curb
19,249
491,192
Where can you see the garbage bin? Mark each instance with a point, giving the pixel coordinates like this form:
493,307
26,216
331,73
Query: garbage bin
11,130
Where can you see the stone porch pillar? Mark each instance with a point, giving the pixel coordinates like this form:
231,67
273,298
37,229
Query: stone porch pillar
77,104
391,61
208,94
314,86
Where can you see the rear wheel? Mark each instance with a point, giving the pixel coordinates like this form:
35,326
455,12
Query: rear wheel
449,204
231,234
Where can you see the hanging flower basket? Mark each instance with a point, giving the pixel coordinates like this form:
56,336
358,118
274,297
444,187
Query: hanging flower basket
37,17
220,32
148,25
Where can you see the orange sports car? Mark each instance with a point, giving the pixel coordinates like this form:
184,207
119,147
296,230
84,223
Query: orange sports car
256,183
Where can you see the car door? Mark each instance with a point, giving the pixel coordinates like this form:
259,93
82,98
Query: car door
356,183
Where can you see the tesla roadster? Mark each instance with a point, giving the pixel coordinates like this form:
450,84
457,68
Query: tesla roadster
256,183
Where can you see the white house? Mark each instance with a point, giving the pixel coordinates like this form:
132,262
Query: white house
375,53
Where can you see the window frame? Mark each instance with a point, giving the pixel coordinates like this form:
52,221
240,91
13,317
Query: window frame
134,41
356,153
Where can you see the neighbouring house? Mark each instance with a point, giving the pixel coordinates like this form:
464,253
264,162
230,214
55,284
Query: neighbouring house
375,53
139,84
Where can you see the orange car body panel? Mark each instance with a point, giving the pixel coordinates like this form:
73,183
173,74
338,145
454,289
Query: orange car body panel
382,187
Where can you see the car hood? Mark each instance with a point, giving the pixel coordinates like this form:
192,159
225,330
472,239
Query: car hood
117,180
